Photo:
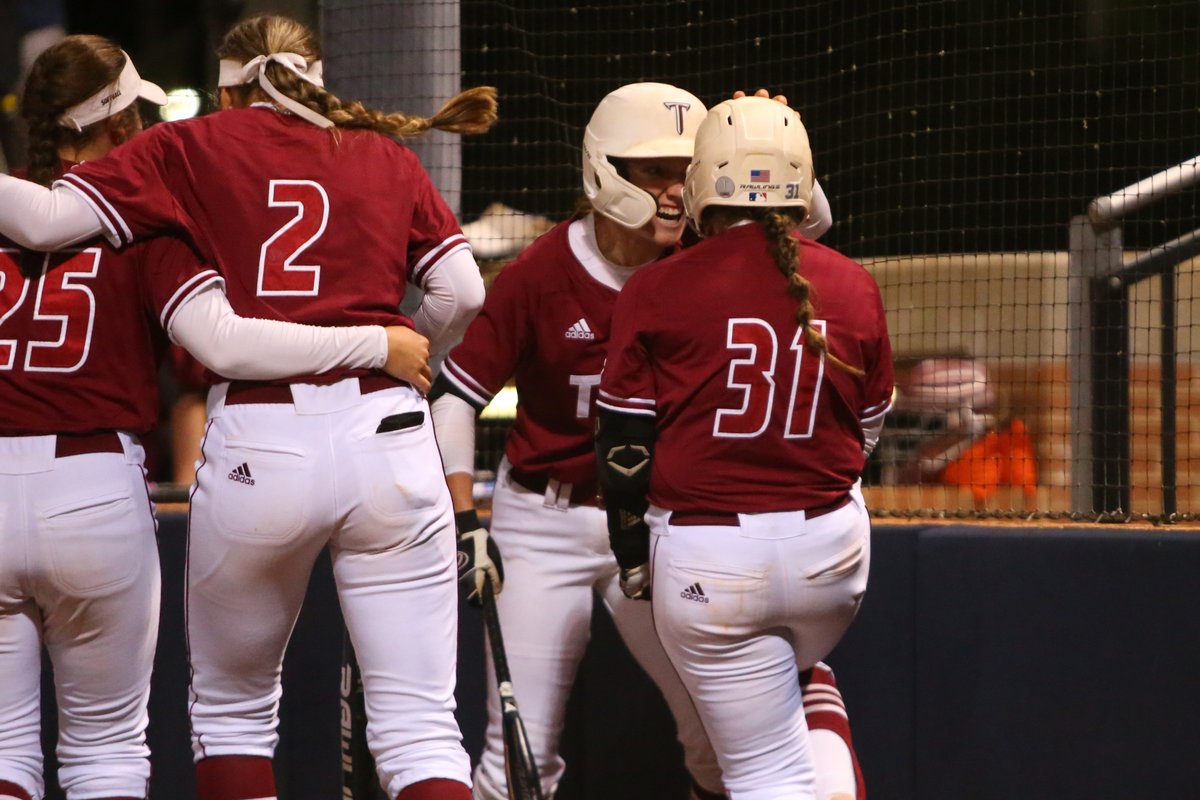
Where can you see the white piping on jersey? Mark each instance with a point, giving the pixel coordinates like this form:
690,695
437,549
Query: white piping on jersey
871,411
642,412
438,254
190,287
107,215
884,408
581,236
637,401
456,375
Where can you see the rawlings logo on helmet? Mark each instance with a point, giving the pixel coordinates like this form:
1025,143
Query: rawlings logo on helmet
751,151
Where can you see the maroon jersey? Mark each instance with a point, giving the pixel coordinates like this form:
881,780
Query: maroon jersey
81,333
749,419
305,225
545,321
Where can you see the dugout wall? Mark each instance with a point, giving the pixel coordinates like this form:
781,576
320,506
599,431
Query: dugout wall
987,663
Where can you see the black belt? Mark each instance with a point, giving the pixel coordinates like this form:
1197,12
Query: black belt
582,494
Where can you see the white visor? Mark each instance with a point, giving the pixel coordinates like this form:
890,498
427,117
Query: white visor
113,98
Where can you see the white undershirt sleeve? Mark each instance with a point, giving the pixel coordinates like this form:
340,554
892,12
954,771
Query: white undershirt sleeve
262,349
820,216
45,219
453,296
454,425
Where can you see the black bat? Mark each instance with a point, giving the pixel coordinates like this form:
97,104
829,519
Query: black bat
358,766
519,766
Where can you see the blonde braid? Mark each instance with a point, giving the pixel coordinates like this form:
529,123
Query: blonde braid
778,225
471,111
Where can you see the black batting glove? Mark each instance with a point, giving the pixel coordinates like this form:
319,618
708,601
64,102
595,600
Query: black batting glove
478,558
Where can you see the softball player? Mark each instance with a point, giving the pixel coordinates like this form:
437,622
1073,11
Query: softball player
546,322
315,216
79,346
746,379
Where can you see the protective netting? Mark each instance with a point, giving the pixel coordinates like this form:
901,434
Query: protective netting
956,142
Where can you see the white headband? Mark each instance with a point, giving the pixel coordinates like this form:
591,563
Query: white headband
113,98
235,73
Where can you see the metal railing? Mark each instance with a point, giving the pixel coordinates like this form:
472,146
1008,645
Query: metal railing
1099,282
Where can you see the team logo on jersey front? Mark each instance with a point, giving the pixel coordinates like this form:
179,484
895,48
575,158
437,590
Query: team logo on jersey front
241,474
580,330
694,593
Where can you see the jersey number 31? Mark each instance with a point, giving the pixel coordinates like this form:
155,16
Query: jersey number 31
752,376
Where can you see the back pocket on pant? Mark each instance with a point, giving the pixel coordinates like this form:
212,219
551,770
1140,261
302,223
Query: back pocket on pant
261,490
96,545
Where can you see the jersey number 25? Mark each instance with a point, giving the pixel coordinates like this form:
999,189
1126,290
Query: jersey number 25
752,376
62,303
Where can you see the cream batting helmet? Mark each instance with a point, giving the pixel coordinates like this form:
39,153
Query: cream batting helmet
752,151
639,120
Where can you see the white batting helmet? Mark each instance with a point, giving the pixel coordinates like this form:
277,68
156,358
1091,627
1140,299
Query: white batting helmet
752,151
639,120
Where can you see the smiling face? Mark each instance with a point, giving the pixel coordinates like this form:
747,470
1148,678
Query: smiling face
662,177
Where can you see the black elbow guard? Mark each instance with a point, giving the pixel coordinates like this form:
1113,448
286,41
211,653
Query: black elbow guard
624,452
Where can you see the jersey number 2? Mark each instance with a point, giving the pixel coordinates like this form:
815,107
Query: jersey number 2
752,375
279,274
60,299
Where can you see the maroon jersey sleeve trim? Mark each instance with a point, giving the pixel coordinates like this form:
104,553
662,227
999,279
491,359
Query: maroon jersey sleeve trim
188,290
437,255
470,387
108,215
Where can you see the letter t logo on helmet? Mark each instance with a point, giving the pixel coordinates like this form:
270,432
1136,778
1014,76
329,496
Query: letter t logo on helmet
639,120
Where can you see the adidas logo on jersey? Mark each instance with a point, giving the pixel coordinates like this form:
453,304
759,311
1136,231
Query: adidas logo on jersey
241,474
580,330
694,592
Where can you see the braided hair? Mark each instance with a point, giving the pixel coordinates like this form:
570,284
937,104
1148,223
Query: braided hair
778,225
64,75
471,111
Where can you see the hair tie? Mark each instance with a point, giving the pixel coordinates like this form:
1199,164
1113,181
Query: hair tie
235,73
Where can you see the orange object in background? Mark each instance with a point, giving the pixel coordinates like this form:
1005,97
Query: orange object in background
1000,458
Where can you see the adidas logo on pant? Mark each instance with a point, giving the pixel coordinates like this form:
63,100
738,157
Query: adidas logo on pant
241,474
694,592
580,330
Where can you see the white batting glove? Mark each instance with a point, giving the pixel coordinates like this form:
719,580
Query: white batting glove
478,558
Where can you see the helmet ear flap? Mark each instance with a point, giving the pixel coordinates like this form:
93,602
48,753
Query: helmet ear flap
614,196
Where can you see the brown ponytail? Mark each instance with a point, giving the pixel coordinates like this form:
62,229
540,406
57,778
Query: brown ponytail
64,75
471,111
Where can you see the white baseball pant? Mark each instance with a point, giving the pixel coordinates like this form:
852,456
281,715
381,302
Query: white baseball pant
556,556
79,573
741,609
278,482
